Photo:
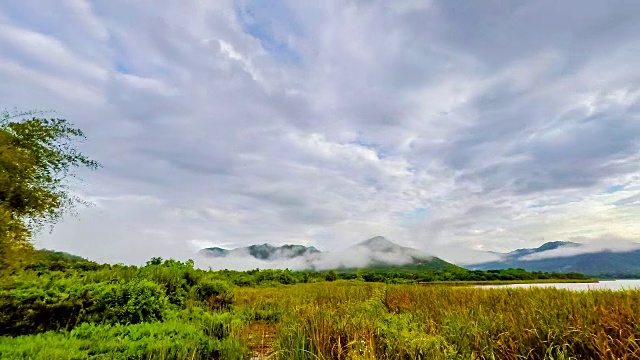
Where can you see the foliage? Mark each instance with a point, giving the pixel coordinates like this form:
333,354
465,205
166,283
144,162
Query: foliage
62,304
37,309
58,256
37,156
216,293
130,302
65,307
165,340
331,276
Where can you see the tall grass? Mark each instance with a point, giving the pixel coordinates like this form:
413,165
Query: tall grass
374,321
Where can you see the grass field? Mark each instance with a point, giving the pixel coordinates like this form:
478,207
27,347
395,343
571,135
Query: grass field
373,321
169,310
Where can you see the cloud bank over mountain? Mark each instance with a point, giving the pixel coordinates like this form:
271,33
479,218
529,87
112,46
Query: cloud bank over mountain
608,256
377,251
469,126
604,244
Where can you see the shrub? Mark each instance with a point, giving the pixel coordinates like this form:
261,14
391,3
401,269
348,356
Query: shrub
130,303
167,340
331,276
216,293
32,310
286,278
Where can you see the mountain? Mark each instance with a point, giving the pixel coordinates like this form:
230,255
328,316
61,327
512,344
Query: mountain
375,253
562,256
378,253
263,252
381,244
552,245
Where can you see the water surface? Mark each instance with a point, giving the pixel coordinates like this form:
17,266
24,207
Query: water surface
602,285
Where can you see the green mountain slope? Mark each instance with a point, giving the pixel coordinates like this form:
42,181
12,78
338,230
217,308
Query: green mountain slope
433,264
601,263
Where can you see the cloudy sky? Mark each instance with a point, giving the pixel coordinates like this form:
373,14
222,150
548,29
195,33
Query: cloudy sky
439,124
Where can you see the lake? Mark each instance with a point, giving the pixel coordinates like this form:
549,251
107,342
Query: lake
602,285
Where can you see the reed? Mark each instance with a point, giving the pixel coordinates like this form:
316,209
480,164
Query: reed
374,321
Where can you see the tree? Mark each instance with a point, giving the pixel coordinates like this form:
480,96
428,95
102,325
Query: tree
37,158
331,276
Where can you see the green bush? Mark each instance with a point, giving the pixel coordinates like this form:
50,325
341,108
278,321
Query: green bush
62,304
167,340
33,310
130,303
217,294
172,276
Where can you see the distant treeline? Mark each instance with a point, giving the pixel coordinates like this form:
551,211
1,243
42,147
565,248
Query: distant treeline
611,276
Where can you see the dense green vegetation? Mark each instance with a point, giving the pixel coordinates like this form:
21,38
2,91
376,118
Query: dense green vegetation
60,306
411,274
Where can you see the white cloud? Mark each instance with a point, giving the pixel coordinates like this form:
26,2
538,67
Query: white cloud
326,123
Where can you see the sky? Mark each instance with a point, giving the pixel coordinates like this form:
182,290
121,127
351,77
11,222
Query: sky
453,127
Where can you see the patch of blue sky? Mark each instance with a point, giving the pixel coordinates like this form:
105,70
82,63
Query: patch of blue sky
382,153
420,213
122,67
259,18
120,62
537,205
614,189
543,204
415,215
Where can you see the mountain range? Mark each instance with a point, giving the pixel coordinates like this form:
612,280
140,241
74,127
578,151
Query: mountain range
377,252
380,253
564,256
263,252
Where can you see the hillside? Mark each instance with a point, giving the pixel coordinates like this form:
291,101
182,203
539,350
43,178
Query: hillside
52,255
605,263
386,256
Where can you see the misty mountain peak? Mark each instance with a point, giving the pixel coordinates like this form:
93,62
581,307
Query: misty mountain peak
589,259
263,251
377,252
379,243
552,245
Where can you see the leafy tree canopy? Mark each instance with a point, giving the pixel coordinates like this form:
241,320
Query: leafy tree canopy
37,158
